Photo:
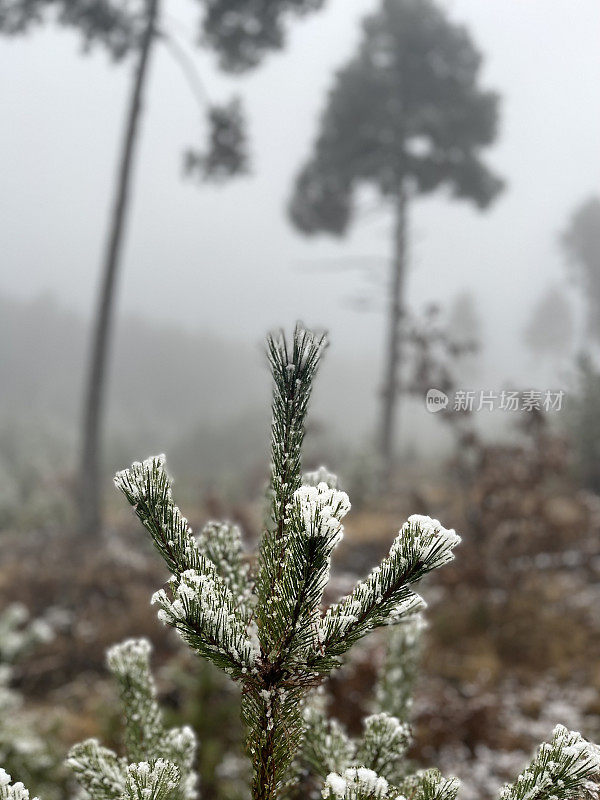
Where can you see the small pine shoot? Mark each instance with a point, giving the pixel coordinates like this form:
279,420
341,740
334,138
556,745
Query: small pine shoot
561,768
269,632
12,791
158,762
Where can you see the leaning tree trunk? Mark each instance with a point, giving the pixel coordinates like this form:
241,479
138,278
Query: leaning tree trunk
90,480
391,385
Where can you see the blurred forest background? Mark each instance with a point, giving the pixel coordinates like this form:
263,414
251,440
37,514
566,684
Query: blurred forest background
438,213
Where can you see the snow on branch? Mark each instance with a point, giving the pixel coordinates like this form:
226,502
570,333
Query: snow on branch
199,602
98,770
293,368
12,791
154,754
560,770
314,529
384,744
221,543
357,783
385,597
205,614
151,780
394,688
147,487
320,475
327,746
130,664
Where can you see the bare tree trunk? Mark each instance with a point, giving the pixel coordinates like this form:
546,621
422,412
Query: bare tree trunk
90,487
391,384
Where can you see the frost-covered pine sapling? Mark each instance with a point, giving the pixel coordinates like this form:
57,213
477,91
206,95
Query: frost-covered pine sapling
159,761
268,631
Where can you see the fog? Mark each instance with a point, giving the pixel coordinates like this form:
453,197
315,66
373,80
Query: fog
190,245
225,261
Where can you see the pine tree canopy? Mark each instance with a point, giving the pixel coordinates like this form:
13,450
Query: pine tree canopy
407,107
117,26
240,32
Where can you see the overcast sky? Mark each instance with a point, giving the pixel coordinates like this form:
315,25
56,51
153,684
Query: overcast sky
226,259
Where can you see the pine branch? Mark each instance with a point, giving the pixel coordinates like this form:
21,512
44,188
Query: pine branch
154,780
394,688
430,785
560,770
19,634
12,791
179,746
357,783
201,608
314,530
320,475
327,746
99,771
383,746
275,730
274,712
385,597
146,736
360,783
221,543
129,662
293,368
199,603
147,487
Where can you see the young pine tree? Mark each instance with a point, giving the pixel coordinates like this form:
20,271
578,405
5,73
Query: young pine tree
268,631
405,116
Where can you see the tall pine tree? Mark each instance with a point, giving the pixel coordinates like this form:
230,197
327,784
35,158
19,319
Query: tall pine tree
241,34
406,115
581,243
